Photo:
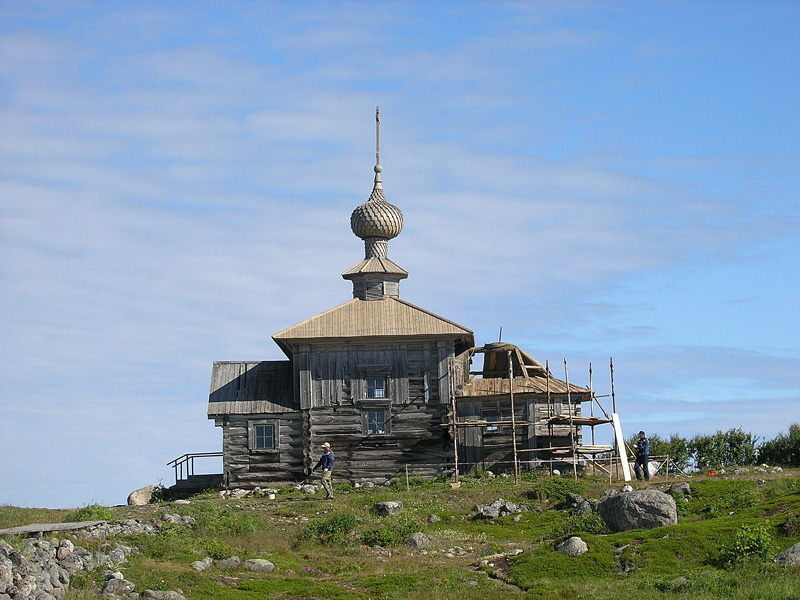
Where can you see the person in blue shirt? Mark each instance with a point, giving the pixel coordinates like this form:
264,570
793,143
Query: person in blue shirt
326,464
642,457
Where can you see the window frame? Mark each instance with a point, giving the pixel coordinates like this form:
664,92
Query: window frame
376,405
252,435
384,389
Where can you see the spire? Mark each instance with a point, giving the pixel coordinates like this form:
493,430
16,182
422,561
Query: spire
376,222
378,168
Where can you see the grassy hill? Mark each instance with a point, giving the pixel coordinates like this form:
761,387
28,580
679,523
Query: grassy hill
729,532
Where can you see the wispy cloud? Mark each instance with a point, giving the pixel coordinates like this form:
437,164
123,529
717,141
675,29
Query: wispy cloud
177,187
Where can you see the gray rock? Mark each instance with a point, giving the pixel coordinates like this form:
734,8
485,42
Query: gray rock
142,496
161,595
584,509
258,564
681,487
626,488
487,511
607,494
790,556
434,519
202,565
308,488
229,564
385,509
643,509
572,500
419,540
172,519
117,587
65,548
573,546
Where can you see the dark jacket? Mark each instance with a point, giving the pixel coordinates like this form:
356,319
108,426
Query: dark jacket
325,461
642,447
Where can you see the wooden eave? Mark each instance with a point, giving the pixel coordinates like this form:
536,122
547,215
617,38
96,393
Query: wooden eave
250,387
388,318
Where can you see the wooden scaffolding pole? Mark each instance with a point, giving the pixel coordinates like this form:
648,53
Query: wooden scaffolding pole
549,414
455,429
571,428
513,416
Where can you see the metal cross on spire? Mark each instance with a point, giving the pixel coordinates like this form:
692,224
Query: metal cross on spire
377,135
378,168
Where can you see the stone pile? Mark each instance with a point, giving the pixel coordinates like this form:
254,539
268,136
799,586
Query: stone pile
45,573
498,508
256,492
128,527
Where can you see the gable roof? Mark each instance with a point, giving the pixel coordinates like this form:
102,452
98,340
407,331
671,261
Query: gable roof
388,317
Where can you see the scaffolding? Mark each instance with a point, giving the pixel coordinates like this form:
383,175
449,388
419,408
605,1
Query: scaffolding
498,381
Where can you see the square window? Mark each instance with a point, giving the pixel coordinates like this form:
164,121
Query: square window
376,387
376,422
264,437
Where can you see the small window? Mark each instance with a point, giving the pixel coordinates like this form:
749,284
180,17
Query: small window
263,436
376,422
376,418
376,387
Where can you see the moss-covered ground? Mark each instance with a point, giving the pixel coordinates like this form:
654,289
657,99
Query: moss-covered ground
723,546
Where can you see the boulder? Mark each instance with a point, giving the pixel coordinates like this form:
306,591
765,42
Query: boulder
790,556
117,587
434,519
258,564
573,546
142,496
572,500
202,565
643,509
419,540
681,487
229,564
384,509
584,509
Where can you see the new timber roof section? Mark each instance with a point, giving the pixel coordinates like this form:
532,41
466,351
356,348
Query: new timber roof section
388,317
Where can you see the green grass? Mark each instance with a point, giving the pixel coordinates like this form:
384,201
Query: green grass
721,548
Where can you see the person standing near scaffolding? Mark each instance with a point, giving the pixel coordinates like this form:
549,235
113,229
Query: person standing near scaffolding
642,457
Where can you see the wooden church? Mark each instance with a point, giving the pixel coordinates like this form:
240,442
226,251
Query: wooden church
389,385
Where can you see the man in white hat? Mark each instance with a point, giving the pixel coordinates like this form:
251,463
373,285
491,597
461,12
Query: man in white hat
326,464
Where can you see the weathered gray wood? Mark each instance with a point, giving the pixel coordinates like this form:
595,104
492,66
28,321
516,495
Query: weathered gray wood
45,527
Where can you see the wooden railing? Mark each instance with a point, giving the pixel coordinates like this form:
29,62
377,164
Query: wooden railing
184,465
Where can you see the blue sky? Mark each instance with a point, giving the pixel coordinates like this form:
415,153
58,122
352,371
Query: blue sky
600,179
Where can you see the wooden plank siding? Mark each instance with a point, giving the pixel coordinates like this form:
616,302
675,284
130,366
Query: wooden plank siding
415,438
245,467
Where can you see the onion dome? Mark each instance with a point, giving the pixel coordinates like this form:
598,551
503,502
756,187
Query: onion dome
376,222
377,218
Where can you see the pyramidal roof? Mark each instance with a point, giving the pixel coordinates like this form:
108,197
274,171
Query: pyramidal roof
365,319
